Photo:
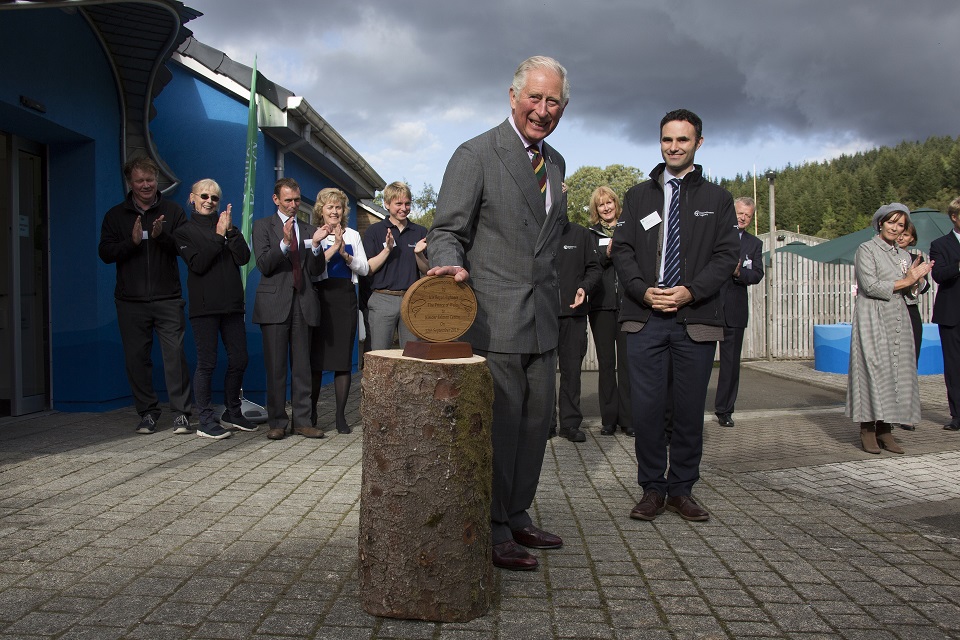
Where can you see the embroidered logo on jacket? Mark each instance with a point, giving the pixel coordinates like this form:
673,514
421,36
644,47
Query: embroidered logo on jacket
700,214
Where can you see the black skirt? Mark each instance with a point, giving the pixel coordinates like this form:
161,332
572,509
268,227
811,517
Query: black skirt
333,340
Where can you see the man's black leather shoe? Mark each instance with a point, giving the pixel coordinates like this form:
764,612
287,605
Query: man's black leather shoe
649,507
535,538
687,508
509,555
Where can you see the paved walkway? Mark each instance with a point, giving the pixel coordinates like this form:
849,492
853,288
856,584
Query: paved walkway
107,534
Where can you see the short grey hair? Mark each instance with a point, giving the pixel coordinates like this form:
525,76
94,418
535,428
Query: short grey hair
541,62
747,200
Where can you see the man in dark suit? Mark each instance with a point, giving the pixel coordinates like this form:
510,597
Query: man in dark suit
945,255
736,311
500,213
288,253
672,266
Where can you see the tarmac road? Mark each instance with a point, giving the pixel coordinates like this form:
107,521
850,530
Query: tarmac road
759,391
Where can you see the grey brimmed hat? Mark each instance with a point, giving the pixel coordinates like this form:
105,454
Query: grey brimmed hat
888,208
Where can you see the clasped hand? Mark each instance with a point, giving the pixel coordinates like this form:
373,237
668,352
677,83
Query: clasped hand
667,300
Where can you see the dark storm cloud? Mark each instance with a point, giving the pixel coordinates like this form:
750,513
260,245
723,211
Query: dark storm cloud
875,70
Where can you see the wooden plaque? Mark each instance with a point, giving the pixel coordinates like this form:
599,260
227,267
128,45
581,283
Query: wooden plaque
438,309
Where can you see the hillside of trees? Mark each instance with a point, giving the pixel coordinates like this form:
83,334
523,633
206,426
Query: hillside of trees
839,196
827,199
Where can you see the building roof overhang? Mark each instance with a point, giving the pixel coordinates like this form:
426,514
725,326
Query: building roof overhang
287,118
138,37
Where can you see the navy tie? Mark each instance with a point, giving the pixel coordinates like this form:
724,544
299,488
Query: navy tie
671,261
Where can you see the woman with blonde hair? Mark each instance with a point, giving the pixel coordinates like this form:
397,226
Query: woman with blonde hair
613,388
214,249
333,341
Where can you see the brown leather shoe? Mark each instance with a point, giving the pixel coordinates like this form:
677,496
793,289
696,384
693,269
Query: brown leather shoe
276,433
510,555
887,441
868,437
535,538
688,508
649,507
308,432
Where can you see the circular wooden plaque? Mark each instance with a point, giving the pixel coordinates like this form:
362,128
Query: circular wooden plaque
438,308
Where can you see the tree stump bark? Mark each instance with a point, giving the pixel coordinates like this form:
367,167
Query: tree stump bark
425,494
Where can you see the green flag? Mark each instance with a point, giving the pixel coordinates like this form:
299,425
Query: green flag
250,172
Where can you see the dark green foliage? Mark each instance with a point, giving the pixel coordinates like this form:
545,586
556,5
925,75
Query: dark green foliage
837,197
582,182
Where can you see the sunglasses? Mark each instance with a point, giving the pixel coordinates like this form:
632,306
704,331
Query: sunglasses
205,196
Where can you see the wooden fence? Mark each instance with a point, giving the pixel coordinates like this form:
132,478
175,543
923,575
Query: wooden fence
804,293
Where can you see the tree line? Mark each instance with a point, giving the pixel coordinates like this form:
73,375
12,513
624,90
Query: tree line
826,199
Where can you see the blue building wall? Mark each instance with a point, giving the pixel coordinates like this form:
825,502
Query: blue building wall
67,71
200,132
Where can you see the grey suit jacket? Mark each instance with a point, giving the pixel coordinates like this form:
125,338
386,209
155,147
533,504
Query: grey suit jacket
490,219
275,291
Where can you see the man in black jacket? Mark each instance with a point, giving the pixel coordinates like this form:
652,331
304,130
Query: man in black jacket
214,250
736,310
136,235
578,266
674,249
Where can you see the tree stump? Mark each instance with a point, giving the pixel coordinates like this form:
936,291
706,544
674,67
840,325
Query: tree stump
425,495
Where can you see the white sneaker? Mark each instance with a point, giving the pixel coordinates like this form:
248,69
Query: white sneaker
181,425
213,431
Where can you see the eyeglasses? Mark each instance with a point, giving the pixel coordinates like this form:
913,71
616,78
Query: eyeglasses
205,196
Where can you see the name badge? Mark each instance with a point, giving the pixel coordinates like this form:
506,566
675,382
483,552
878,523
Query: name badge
146,235
651,221
604,242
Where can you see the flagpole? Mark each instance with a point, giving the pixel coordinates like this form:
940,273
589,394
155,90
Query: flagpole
253,412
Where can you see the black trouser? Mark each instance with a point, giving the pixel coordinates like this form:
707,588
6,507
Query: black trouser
613,381
207,331
728,380
137,322
651,350
571,349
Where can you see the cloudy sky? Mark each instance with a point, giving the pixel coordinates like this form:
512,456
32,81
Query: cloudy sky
776,82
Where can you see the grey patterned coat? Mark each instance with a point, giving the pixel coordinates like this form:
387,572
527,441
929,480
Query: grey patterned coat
882,383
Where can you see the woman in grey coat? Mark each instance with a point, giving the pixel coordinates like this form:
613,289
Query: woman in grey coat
882,384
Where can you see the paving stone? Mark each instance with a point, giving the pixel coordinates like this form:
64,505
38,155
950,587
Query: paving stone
257,539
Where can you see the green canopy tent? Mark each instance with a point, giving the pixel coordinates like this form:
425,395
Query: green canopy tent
930,223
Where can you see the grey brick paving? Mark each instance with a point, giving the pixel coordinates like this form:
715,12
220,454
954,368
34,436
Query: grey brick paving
106,534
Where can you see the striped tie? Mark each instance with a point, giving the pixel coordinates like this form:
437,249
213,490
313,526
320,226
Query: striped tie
671,260
539,168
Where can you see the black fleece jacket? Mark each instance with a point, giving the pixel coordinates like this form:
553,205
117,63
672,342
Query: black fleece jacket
214,285
147,271
708,246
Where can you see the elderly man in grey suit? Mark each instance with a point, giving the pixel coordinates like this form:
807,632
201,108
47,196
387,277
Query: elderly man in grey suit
288,253
500,213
